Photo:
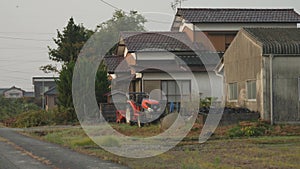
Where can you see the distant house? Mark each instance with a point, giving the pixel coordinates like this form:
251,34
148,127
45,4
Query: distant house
51,98
157,60
262,73
13,92
221,25
41,85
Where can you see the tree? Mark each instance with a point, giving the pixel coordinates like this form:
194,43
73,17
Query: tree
109,31
70,42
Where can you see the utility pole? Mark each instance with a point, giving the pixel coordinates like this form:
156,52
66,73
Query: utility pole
176,4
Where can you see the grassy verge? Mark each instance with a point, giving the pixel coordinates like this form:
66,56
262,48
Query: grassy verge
273,151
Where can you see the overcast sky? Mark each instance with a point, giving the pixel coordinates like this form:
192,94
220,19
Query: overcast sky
28,26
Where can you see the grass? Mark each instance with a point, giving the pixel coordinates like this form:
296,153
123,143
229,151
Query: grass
275,150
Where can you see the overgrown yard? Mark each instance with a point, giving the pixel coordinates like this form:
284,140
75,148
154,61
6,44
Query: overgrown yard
276,150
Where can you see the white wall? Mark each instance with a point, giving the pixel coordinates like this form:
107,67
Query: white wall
208,84
164,55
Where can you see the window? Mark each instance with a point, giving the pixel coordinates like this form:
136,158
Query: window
43,89
175,91
251,90
233,91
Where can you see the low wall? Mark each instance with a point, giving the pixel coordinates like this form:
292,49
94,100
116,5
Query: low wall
232,118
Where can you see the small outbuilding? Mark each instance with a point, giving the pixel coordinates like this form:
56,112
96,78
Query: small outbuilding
262,73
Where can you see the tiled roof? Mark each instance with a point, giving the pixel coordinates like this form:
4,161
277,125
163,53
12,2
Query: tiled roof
115,62
230,15
156,41
13,87
277,40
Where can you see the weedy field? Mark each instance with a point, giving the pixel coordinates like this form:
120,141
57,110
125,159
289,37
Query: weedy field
278,147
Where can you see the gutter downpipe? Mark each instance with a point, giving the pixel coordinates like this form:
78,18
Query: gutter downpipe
271,88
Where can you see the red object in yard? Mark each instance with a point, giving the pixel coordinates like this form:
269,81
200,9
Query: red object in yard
120,114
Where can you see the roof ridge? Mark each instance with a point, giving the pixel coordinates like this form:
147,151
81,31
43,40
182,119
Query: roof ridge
192,8
149,32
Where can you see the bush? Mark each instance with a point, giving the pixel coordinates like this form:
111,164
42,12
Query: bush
32,119
42,118
10,108
249,129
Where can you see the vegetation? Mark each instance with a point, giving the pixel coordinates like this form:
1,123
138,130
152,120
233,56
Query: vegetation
10,108
249,129
71,40
218,152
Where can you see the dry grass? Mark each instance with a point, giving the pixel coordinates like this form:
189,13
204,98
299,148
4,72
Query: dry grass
276,150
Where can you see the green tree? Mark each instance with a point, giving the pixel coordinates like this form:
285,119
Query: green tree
109,31
69,43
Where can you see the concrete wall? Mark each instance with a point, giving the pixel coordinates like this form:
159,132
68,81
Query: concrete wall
243,62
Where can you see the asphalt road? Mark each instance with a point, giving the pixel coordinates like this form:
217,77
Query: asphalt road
22,152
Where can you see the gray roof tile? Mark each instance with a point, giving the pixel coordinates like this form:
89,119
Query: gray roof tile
231,15
155,41
116,63
277,40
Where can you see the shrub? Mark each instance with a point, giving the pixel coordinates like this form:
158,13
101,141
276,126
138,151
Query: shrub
33,118
249,129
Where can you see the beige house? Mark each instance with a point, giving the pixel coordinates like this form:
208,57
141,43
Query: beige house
261,69
220,25
13,92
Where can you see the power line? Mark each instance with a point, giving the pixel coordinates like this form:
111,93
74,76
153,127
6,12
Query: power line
156,21
29,39
109,4
150,20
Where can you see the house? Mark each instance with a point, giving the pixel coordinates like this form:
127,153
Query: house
13,92
51,98
41,85
220,25
167,61
262,73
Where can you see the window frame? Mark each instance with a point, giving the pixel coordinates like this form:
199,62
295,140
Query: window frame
177,96
253,96
230,98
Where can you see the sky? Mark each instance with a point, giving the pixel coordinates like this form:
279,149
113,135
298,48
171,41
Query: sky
29,26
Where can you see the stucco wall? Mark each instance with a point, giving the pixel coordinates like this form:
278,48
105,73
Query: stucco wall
243,62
